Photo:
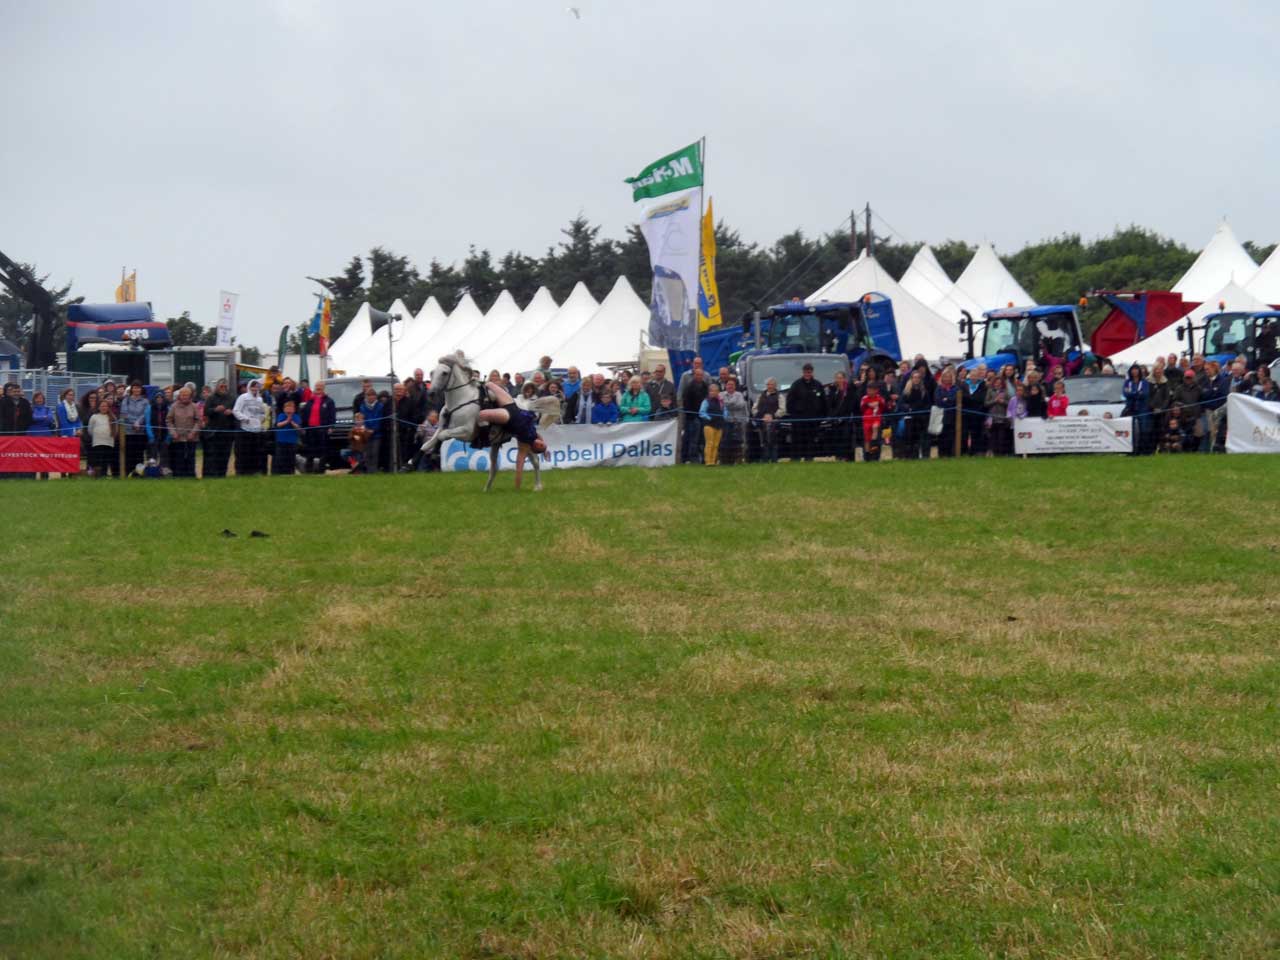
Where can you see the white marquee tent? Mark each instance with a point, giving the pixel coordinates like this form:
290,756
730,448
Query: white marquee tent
920,329
354,336
1222,262
371,358
461,323
1265,284
1164,342
573,314
925,279
501,318
984,285
420,331
611,334
541,308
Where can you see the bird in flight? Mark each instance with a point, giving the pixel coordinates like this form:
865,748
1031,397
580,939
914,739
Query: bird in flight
577,14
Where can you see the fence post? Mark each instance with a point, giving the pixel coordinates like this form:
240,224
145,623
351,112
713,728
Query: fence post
960,419
120,442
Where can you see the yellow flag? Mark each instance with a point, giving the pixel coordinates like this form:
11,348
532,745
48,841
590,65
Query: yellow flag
708,292
127,292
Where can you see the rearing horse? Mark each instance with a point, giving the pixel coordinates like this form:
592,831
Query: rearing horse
458,386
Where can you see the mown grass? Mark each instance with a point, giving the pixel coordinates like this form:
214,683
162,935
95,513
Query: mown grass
980,709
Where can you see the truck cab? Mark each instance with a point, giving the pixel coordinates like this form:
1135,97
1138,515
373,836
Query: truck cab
1227,335
1018,334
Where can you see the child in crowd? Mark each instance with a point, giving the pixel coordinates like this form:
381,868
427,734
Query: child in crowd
605,410
874,408
359,439
102,440
1059,402
712,415
287,427
426,430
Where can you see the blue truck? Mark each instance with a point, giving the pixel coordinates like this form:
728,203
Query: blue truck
864,331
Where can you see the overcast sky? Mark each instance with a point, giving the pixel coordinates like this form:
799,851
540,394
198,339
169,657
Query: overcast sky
243,144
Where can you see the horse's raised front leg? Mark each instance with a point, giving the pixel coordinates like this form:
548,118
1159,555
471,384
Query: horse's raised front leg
534,458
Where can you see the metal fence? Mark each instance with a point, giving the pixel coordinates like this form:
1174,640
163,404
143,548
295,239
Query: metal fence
52,383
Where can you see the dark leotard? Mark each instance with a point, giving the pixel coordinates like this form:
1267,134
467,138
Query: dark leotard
522,425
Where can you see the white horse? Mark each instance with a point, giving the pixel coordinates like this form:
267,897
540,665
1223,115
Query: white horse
458,386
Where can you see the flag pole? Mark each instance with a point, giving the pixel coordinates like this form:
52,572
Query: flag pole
702,187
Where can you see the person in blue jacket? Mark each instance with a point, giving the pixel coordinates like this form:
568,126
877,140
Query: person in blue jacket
605,410
374,409
135,414
67,414
42,417
944,396
1137,404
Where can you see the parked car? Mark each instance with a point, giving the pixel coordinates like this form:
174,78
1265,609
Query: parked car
1096,395
345,392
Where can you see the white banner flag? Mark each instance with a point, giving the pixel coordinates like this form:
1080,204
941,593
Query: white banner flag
1253,425
1073,435
671,226
226,317
644,444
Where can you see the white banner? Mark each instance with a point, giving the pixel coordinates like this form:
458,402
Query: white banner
1073,435
1253,425
226,317
671,225
644,444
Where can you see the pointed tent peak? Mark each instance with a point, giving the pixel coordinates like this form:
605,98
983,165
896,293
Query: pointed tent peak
621,291
401,308
926,258
466,308
542,299
1265,284
925,279
987,282
577,296
1223,261
431,310
504,302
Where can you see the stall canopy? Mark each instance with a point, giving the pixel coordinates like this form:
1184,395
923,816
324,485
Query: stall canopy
611,335
1265,284
572,315
1166,341
502,316
920,329
356,333
462,322
1222,262
984,285
925,279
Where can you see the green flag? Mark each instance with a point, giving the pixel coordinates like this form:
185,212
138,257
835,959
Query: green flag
676,171
284,347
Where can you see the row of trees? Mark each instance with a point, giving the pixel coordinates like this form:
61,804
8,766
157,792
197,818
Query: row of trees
1058,270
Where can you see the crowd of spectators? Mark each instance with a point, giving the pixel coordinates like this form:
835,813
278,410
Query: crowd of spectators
280,426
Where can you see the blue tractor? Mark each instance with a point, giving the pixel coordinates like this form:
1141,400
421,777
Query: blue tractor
1017,334
1227,335
864,331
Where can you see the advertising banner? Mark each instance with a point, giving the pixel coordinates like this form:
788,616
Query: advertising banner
669,192
1253,425
226,317
1073,435
579,445
23,454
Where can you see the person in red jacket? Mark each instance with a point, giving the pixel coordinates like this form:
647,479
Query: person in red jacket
874,407
1058,402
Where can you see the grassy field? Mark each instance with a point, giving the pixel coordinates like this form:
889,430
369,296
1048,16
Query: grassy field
979,709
